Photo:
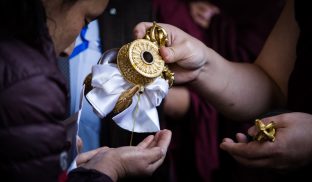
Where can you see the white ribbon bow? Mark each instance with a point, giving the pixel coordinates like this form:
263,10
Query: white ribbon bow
108,84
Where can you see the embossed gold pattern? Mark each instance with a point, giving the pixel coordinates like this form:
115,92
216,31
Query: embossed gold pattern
148,69
140,62
134,67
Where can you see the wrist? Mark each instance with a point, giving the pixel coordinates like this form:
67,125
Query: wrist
207,77
201,71
107,165
112,168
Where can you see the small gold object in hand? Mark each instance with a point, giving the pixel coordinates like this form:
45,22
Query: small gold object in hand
266,132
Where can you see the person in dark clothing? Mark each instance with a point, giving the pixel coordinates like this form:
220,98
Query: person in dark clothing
33,99
277,79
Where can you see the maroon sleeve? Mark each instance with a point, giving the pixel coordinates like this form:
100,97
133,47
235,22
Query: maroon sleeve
193,151
181,17
203,118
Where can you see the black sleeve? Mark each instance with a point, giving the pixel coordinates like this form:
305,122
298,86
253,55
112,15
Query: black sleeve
81,174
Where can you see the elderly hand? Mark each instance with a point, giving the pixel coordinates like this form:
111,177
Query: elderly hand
291,148
142,159
188,54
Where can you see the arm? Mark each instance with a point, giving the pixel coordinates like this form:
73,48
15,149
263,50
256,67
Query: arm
236,89
177,102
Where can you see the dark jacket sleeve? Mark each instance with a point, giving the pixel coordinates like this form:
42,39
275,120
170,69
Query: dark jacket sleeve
81,174
32,102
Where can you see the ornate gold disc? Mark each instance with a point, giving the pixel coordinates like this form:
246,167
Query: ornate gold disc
127,70
144,57
139,62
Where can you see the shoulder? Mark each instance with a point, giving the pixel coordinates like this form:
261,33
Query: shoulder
30,82
19,62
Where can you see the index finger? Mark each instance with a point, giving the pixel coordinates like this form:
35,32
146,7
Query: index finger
173,32
140,29
146,142
162,139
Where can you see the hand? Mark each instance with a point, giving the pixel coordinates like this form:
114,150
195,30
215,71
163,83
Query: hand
202,12
142,159
188,54
79,144
83,158
292,147
177,102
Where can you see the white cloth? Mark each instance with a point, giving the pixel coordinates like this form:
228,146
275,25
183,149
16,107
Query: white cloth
108,84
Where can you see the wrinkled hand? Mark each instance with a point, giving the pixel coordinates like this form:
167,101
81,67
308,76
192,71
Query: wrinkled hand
188,54
142,159
291,149
202,12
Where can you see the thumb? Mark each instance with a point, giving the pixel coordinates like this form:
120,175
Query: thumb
174,53
147,141
157,159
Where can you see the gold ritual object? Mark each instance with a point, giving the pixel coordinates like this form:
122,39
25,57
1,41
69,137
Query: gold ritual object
140,64
266,132
139,61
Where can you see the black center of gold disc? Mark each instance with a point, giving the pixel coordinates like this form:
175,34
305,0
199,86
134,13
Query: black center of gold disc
148,57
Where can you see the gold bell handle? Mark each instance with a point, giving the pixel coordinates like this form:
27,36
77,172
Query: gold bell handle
157,34
125,99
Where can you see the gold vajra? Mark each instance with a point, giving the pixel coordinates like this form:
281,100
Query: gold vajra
265,132
140,64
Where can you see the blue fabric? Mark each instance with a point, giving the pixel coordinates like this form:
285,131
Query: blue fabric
86,54
83,46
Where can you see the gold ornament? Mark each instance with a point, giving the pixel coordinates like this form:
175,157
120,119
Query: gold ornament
125,99
266,132
140,64
139,61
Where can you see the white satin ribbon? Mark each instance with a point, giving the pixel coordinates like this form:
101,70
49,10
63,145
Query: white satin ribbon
108,84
